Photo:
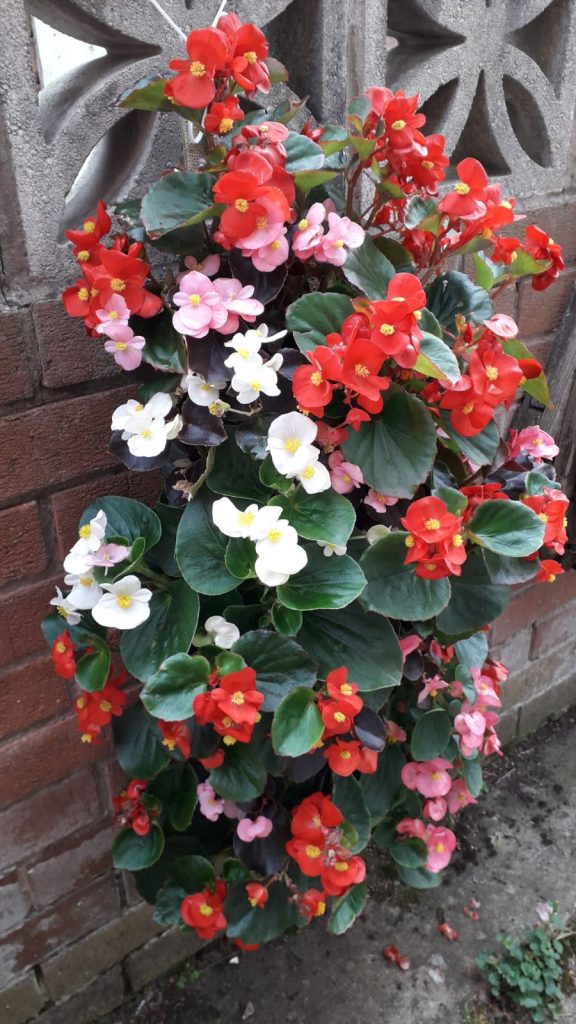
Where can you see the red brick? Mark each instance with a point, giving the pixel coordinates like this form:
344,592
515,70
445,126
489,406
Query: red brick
541,312
14,903
81,913
546,704
89,1005
539,675
44,447
21,612
47,817
16,368
161,954
70,864
68,506
42,756
30,694
22,550
553,630
21,1001
515,651
532,604
67,354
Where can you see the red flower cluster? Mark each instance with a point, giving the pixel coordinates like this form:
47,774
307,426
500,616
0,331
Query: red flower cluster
219,59
551,508
339,709
62,653
434,539
477,494
231,706
175,736
492,379
95,710
130,811
548,571
204,911
542,247
416,161
316,846
107,272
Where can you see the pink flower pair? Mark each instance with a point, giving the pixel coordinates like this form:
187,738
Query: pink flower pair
430,778
457,798
532,441
206,305
331,247
344,476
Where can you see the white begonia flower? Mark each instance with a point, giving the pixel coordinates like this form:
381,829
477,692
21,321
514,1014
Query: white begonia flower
224,633
65,608
174,427
231,521
91,535
151,438
376,532
199,391
125,605
85,591
331,549
250,379
246,349
265,519
289,442
314,477
279,548
267,576
124,413
77,560
131,417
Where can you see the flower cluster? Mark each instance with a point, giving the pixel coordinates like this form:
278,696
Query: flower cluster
310,239
278,554
205,305
147,428
435,542
96,709
231,706
130,811
317,845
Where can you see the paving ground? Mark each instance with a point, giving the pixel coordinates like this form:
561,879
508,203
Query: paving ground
518,847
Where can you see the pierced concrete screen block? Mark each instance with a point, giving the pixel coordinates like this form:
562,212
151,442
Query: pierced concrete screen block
497,80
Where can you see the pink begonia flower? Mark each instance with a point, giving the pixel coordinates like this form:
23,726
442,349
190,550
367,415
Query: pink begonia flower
379,502
411,827
248,830
491,744
430,778
208,266
114,312
394,733
441,843
237,301
211,806
266,231
431,688
532,441
125,346
410,643
459,797
201,307
344,476
470,727
309,232
343,234
484,686
108,554
502,325
456,689
435,809
440,653
271,255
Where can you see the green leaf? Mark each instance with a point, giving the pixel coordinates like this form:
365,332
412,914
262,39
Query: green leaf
241,557
323,583
525,265
170,692
481,448
168,630
302,153
162,554
327,516
192,872
537,387
536,482
297,725
133,853
410,852
92,669
419,878
475,601
437,360
280,664
139,751
164,348
126,518
369,270
507,528
259,924
176,788
334,139
270,476
393,588
313,316
454,293
472,771
382,788
431,736
454,500
418,209
240,778
396,449
363,641
473,651
364,147
148,94
201,548
285,620
509,571
178,200
345,909
277,72
484,275
429,323
236,475
168,901
348,796
305,181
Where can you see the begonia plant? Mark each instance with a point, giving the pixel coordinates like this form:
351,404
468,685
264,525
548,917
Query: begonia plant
291,647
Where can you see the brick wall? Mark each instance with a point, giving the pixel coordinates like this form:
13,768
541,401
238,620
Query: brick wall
74,940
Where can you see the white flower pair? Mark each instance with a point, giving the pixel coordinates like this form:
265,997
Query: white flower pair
290,445
279,555
144,427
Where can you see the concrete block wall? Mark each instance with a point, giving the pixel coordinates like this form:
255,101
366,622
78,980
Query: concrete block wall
74,939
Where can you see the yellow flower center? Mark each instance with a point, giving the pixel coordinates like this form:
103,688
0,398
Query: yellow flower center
241,205
94,292
317,379
276,244
346,689
83,255
274,535
543,517
255,385
62,611
250,56
345,755
81,703
112,315
409,541
431,566
89,227
121,346
84,531
339,716
320,909
229,741
83,294
197,69
205,910
117,284
506,204
309,472
386,329
457,540
246,518
338,244
432,524
60,647
341,865
428,164
439,847
397,126
551,577
195,299
227,722
85,581
303,224
105,706
146,433
361,371
313,852
435,776
292,444
261,223
468,408
86,738
123,600
225,125
238,698
492,373
461,188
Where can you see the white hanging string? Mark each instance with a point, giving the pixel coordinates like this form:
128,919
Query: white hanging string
200,135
